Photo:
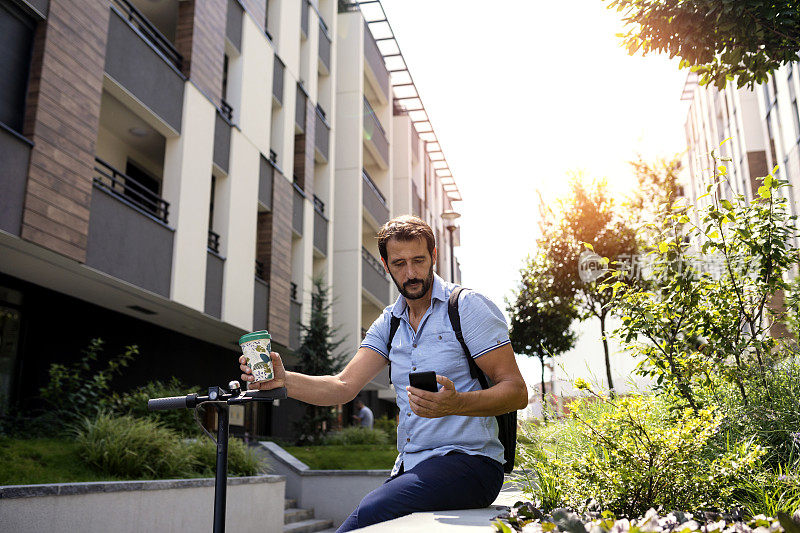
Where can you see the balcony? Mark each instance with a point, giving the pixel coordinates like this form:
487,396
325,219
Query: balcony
304,7
277,81
213,242
15,152
374,279
145,63
320,227
222,139
215,266
375,137
374,201
260,303
324,63
376,73
266,174
322,133
297,210
295,315
233,25
300,109
128,235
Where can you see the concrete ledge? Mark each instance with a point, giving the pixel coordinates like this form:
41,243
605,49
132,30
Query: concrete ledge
176,505
333,494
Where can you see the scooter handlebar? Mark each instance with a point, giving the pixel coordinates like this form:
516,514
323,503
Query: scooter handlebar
163,404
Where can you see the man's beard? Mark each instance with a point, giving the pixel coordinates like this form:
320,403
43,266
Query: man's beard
425,284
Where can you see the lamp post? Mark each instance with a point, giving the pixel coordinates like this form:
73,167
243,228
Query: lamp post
449,218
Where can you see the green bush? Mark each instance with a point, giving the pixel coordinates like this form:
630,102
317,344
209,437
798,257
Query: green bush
134,403
388,426
356,435
241,459
633,454
133,448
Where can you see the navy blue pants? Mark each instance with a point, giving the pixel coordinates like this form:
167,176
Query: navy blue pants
452,481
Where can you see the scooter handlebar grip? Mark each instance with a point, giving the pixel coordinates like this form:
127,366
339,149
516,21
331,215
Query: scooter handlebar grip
163,404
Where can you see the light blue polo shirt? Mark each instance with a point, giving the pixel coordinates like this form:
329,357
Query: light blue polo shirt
434,347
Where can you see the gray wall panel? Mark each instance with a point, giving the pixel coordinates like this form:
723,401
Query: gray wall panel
265,176
260,303
374,278
320,233
140,69
128,244
215,267
233,27
14,154
222,142
297,212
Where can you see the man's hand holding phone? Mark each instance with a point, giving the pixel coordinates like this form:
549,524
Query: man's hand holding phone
427,404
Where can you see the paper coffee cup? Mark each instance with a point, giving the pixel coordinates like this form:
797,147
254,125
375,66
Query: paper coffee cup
256,347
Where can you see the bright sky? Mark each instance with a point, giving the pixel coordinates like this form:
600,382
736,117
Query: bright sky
520,94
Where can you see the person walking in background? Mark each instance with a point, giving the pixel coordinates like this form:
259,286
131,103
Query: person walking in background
449,452
364,415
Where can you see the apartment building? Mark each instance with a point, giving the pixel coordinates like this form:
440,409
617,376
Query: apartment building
177,172
763,128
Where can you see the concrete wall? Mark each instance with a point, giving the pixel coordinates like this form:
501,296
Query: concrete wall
333,494
253,504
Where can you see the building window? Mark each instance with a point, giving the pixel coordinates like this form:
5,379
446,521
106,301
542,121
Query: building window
16,43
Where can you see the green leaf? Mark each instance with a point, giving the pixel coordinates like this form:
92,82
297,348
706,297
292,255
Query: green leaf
726,204
663,247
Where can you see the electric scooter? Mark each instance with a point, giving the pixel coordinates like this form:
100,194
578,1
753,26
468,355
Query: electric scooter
221,400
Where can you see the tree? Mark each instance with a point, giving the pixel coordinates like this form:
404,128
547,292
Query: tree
721,40
588,219
656,190
317,358
540,316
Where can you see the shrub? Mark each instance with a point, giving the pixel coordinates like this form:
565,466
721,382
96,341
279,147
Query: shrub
388,426
132,448
241,459
634,453
356,435
134,403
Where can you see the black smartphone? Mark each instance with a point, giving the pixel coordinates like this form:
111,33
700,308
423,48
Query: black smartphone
423,380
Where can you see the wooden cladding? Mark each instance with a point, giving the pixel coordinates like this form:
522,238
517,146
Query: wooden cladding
274,250
200,39
258,9
63,113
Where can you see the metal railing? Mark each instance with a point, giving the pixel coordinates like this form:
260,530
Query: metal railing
157,38
324,48
346,6
293,291
127,188
260,270
300,107
226,110
273,156
322,132
373,131
319,205
213,241
375,60
374,263
374,188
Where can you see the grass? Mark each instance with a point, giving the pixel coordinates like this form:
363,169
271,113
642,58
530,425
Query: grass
352,457
33,461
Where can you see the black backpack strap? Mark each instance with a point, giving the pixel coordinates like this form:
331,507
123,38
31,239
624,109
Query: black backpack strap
393,325
455,321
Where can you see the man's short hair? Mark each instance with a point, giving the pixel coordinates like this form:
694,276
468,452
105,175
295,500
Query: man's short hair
405,228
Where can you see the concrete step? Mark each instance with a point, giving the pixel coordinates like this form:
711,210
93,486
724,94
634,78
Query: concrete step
288,504
308,526
296,515
331,530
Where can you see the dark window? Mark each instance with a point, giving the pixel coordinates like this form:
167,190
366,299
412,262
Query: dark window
16,41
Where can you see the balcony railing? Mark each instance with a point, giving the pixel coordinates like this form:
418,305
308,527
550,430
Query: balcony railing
322,132
304,7
277,80
293,291
375,60
300,108
374,201
374,278
157,38
297,209
260,270
213,241
127,188
320,227
226,110
273,156
324,47
373,131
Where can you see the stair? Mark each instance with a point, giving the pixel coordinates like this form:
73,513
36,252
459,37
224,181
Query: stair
302,520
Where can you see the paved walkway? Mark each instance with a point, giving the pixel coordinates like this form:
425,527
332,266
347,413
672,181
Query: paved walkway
462,521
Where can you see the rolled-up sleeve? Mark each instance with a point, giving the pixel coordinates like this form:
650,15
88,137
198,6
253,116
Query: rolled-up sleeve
482,323
378,334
